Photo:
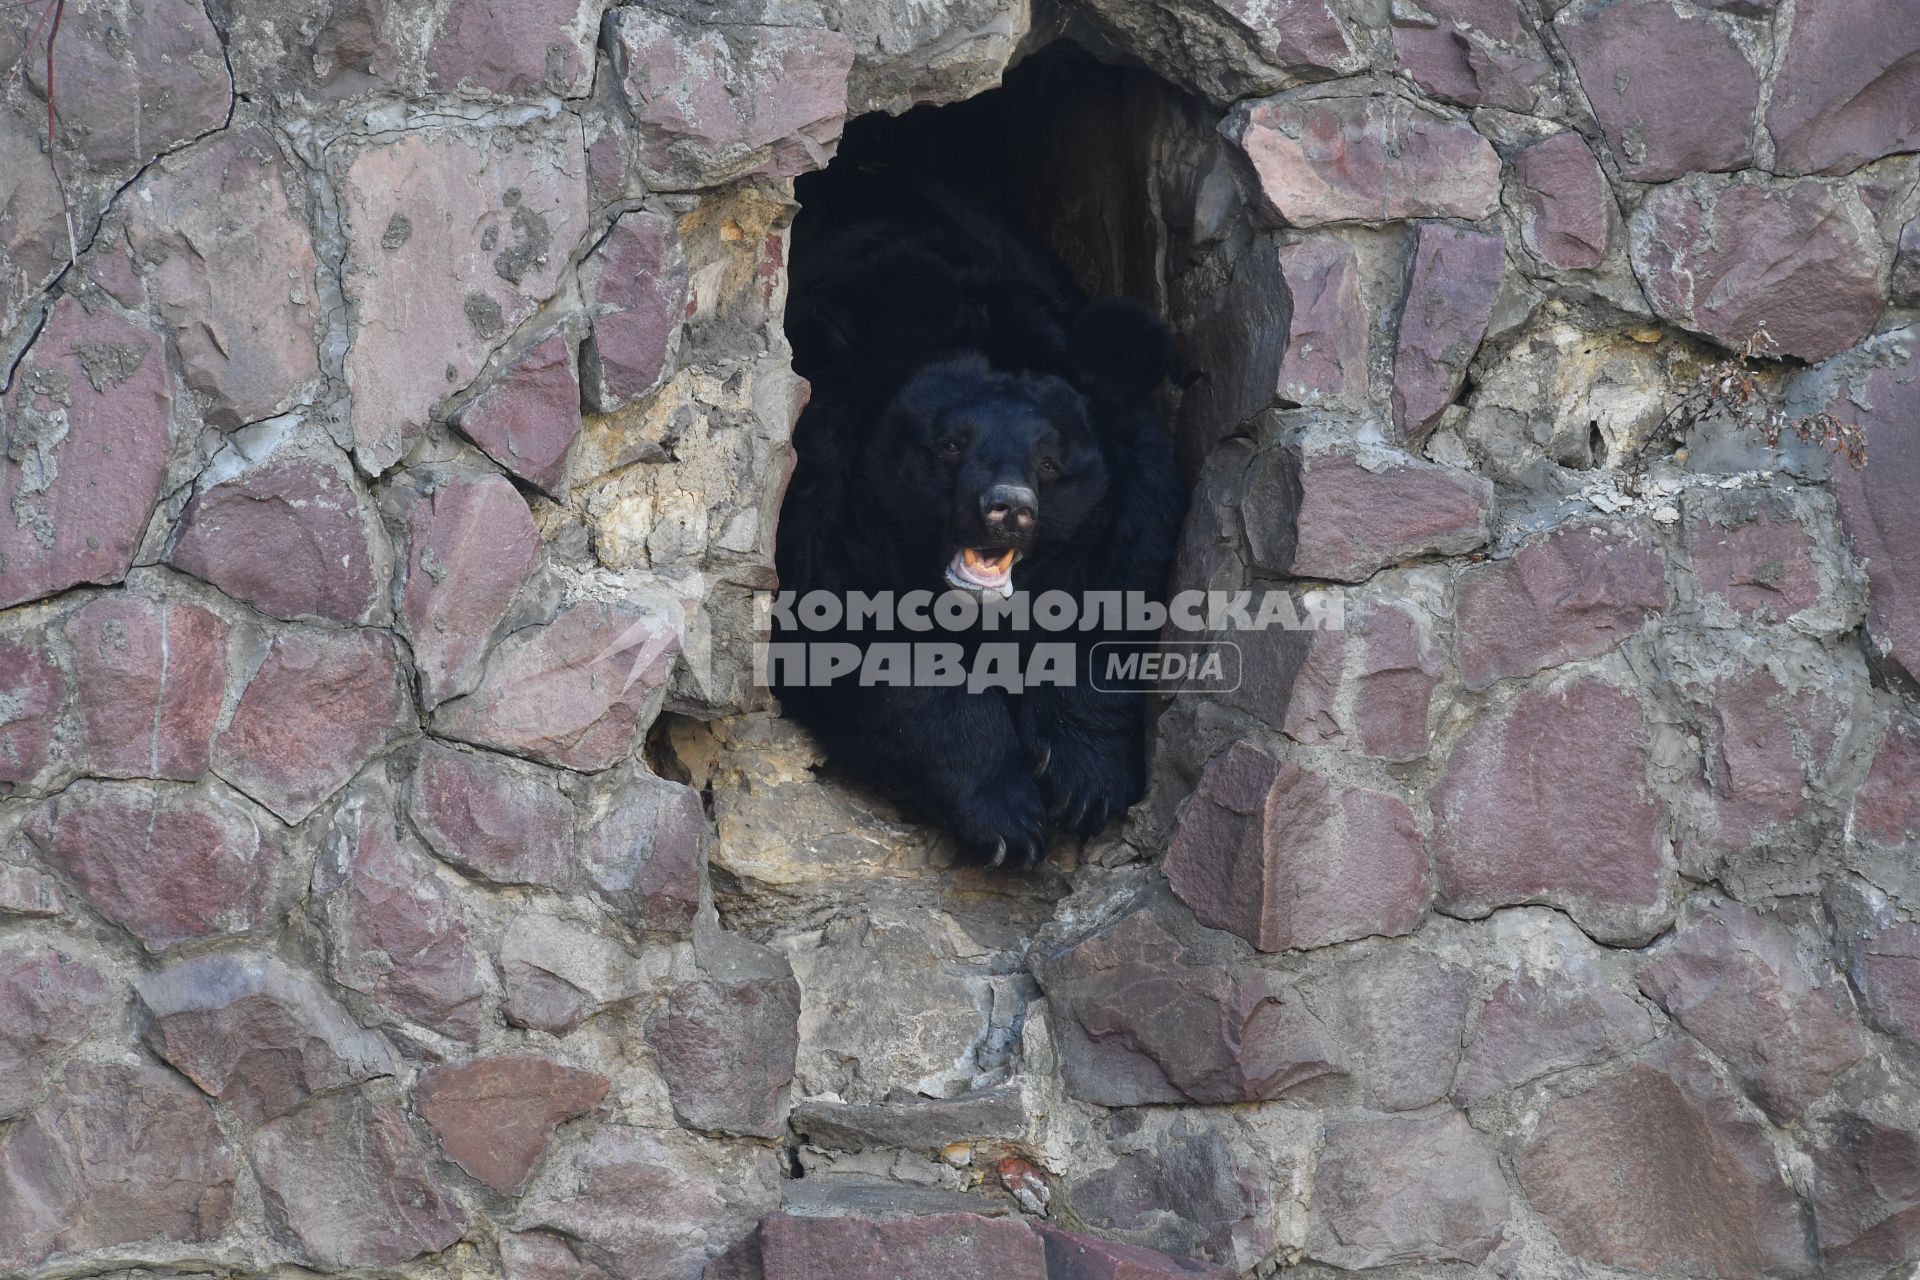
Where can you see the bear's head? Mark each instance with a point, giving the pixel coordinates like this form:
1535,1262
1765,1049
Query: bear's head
977,468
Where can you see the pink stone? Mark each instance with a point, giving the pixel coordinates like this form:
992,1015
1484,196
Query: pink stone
1546,800
1347,514
493,1116
540,46
1844,95
149,677
1326,359
161,65
1363,159
1764,748
1660,1170
1540,1023
1404,1190
1729,257
1145,1019
1368,685
50,1001
939,1244
291,537
115,1155
1567,215
573,692
256,1034
347,1184
1763,567
168,863
1074,1255
528,420
636,284
1866,1189
1573,593
454,239
1287,858
492,819
1674,93
1450,291
32,689
232,268
394,933
1479,53
1886,807
1403,1013
470,547
535,1255
88,436
1735,980
644,848
726,1047
712,104
320,705
33,227
1881,520
30,893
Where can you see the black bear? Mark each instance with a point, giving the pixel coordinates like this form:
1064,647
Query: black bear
976,424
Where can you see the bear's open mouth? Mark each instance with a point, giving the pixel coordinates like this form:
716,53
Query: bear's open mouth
983,569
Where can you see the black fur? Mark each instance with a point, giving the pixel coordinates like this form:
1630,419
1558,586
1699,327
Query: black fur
947,353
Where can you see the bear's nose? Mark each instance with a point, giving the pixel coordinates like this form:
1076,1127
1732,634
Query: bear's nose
1008,507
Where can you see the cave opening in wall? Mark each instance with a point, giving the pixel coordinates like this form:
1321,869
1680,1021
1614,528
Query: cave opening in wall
984,297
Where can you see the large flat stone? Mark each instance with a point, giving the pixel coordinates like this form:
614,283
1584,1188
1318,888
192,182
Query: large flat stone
1730,257
1326,359
726,1046
1451,284
51,1000
34,690
1881,521
540,46
527,421
1845,91
494,1115
88,437
1403,1190
1362,159
1286,857
636,285
150,677
1547,800
1567,215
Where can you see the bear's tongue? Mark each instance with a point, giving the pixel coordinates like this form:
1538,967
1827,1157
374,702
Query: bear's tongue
983,569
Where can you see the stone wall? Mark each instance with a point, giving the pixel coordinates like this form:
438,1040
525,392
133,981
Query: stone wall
399,874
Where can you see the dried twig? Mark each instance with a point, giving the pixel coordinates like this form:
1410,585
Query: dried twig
1731,390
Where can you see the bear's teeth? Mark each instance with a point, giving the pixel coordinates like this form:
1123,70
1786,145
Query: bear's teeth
973,571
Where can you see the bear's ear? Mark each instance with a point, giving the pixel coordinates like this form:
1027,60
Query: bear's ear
1120,350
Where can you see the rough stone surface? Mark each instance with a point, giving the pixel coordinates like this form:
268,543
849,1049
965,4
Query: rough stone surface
1575,593
290,537
1673,90
50,1002
1402,1013
214,228
1145,1020
1607,1175
1368,686
494,1116
1406,1191
1326,359
1288,858
115,1154
1844,93
1346,515
642,852
1229,49
527,421
258,1035
1567,215
1866,1190
150,677
1736,982
572,693
1074,1255
1547,800
1479,53
1729,257
727,1050
735,101
170,864
34,689
1450,292
1763,566
488,818
470,545
319,705
1883,530
1539,1023
514,49
1362,159
637,283
654,1204
455,237
346,1184
88,436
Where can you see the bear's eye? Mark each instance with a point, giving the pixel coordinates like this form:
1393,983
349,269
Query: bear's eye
1049,468
947,448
